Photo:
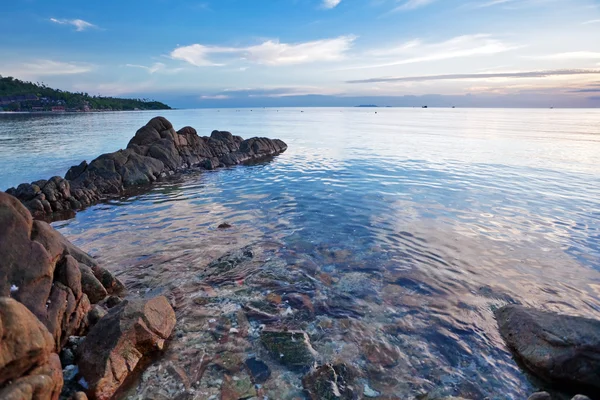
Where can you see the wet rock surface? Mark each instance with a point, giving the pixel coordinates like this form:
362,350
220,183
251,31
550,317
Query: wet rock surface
156,151
290,348
558,348
330,382
118,342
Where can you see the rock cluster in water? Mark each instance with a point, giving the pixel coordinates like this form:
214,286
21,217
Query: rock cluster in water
156,150
52,294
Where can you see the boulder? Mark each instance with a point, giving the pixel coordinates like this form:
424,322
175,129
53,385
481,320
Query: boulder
558,348
25,342
45,272
116,344
41,383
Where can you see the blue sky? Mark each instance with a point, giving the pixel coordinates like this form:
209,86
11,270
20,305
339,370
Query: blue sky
322,52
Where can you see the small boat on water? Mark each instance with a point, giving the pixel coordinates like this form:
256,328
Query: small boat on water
424,107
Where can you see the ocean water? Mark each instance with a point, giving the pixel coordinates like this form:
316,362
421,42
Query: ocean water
401,229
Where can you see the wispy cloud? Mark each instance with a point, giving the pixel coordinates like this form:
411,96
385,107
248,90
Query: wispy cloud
79,24
156,68
573,55
41,68
412,4
329,4
416,51
271,52
496,75
594,21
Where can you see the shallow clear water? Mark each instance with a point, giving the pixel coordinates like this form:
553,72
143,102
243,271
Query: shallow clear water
404,230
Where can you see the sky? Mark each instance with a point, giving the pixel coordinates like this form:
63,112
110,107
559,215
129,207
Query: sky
238,53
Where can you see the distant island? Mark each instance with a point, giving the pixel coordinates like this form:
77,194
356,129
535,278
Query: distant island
367,106
17,95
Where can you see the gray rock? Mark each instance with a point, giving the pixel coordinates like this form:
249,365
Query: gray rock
558,348
540,396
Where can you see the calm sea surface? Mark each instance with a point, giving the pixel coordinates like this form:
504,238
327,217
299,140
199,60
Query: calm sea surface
410,225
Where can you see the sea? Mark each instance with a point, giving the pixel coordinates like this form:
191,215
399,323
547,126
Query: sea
388,235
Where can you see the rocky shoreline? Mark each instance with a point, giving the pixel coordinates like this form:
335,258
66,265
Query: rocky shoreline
70,330
156,151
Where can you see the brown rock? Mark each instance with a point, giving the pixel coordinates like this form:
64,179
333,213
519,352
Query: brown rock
25,343
79,396
42,383
113,348
558,348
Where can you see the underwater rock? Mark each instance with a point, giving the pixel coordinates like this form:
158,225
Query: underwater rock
113,348
156,150
290,348
237,388
259,371
330,382
558,348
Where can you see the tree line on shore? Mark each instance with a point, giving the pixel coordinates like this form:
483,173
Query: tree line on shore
18,95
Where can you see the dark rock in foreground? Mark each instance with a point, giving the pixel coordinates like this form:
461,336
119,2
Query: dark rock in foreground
557,348
156,150
116,344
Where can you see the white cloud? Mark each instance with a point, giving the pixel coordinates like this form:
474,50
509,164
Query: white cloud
573,55
594,21
156,68
417,52
413,4
40,68
328,4
79,24
271,52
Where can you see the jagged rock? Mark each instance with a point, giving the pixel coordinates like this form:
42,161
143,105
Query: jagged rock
330,382
42,383
156,150
24,341
111,351
290,348
558,348
43,271
580,397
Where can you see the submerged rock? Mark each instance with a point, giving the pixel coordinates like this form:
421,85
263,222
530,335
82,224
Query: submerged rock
558,348
237,388
156,150
290,348
259,371
114,347
330,382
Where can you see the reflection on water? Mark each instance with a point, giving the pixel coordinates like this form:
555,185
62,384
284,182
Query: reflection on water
388,238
